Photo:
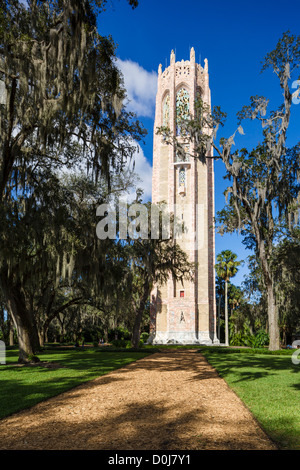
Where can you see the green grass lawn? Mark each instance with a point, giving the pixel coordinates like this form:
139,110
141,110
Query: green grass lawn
23,387
269,385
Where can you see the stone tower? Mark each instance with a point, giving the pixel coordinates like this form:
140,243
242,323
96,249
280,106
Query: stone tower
184,314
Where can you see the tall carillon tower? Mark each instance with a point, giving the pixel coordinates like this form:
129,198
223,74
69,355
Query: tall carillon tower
184,314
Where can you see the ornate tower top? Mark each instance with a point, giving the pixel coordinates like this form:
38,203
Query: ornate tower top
186,72
187,75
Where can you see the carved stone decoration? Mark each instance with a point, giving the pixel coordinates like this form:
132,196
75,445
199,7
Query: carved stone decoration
166,111
182,68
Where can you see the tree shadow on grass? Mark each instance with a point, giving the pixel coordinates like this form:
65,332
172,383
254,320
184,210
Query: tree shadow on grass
285,432
29,385
250,367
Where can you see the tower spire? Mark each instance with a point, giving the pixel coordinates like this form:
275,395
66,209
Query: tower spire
192,55
172,57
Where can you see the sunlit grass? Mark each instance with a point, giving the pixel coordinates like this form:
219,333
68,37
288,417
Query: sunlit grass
269,385
24,386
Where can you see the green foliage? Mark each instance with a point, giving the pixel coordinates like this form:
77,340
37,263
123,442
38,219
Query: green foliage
227,264
50,258
246,338
119,333
144,336
151,261
226,268
121,343
125,343
268,383
286,269
237,339
260,339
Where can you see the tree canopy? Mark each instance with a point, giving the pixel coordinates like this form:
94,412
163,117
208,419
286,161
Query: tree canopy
63,112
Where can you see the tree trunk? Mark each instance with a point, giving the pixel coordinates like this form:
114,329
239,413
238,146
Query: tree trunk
26,332
226,315
62,329
273,318
11,333
23,320
43,332
41,337
219,318
138,317
284,335
106,334
26,340
274,344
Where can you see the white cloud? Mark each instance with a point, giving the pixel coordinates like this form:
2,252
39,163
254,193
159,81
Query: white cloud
141,87
143,170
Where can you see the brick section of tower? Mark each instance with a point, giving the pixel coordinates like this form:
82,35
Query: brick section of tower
184,315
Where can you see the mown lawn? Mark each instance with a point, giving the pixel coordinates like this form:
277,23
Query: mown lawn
269,385
24,386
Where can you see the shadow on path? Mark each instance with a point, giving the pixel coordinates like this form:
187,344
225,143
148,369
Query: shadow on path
167,401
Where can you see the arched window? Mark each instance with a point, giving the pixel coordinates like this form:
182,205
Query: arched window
182,108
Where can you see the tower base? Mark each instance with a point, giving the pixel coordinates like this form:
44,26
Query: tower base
184,338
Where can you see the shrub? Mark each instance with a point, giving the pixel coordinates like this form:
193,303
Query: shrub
125,343
144,336
121,343
237,339
258,340
121,333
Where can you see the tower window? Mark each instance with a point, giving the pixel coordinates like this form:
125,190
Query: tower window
182,293
182,177
182,109
182,181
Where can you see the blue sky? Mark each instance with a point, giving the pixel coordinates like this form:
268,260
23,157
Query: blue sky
234,36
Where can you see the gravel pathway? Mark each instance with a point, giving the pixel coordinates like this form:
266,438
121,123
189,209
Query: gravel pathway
171,400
